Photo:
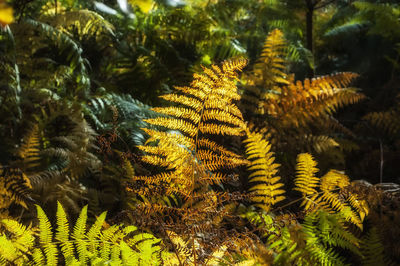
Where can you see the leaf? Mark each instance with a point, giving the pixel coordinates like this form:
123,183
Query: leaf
144,5
6,15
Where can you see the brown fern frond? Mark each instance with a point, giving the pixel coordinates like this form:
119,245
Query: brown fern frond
30,149
387,121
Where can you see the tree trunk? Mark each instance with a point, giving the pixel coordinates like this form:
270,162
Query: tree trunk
309,31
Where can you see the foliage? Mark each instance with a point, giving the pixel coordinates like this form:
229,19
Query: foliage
294,112
102,243
265,186
222,170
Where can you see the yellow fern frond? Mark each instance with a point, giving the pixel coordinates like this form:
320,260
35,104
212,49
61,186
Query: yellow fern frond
265,187
46,238
306,182
272,62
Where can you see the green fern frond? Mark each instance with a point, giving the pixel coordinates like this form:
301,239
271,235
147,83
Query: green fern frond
373,250
324,231
116,245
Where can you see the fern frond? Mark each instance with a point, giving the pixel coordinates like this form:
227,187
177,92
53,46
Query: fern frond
15,187
306,182
387,121
272,60
29,150
324,231
94,232
115,245
265,187
62,234
333,197
46,238
373,250
78,235
186,150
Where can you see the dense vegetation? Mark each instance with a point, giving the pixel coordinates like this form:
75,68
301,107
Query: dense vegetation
193,132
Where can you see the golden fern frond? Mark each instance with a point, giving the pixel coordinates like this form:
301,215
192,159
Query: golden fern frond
267,73
15,187
306,182
186,150
299,102
265,187
320,143
333,181
78,235
17,243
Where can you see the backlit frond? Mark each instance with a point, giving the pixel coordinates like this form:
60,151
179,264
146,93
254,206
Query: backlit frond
332,195
306,181
186,150
265,188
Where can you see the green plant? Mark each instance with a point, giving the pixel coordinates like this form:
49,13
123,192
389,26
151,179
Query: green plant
102,243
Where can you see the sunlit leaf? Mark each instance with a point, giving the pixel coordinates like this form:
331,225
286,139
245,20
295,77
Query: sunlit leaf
144,5
6,14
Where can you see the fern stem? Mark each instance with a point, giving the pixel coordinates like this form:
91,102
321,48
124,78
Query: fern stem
299,199
169,239
381,161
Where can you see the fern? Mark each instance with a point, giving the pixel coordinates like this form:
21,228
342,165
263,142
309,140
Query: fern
333,196
207,109
297,113
265,188
373,250
46,238
30,149
115,245
15,187
324,231
306,182
386,122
